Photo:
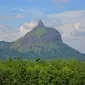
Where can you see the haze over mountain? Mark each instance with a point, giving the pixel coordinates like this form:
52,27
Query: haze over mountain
44,42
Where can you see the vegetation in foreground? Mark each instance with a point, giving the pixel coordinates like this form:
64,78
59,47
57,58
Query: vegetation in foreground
38,72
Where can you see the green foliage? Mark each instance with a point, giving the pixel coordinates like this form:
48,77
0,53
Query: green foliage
38,59
52,72
40,32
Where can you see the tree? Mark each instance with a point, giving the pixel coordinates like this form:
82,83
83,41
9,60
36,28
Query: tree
37,59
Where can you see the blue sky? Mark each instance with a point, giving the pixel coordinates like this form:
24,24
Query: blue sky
47,6
15,7
68,16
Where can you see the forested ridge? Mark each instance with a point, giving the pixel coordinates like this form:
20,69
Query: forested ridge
42,72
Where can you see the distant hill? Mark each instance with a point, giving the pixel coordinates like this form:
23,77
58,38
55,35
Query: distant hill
6,50
44,42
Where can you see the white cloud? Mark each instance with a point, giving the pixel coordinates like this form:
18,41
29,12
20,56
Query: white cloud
4,18
26,27
7,33
20,16
22,29
33,13
29,25
69,16
77,25
71,25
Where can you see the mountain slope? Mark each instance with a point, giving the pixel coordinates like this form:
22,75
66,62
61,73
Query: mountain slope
6,50
44,42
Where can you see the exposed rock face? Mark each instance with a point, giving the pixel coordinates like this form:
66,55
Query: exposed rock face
40,24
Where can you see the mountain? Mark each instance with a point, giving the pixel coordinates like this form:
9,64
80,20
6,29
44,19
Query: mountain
44,42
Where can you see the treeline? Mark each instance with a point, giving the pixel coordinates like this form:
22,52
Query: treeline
42,72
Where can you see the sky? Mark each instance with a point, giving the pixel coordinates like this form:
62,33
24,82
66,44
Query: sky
17,17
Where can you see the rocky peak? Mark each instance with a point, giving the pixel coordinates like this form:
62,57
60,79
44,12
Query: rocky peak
40,24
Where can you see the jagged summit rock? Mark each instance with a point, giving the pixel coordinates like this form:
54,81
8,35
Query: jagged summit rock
40,24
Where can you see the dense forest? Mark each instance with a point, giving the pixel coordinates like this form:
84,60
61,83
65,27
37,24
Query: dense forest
42,72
